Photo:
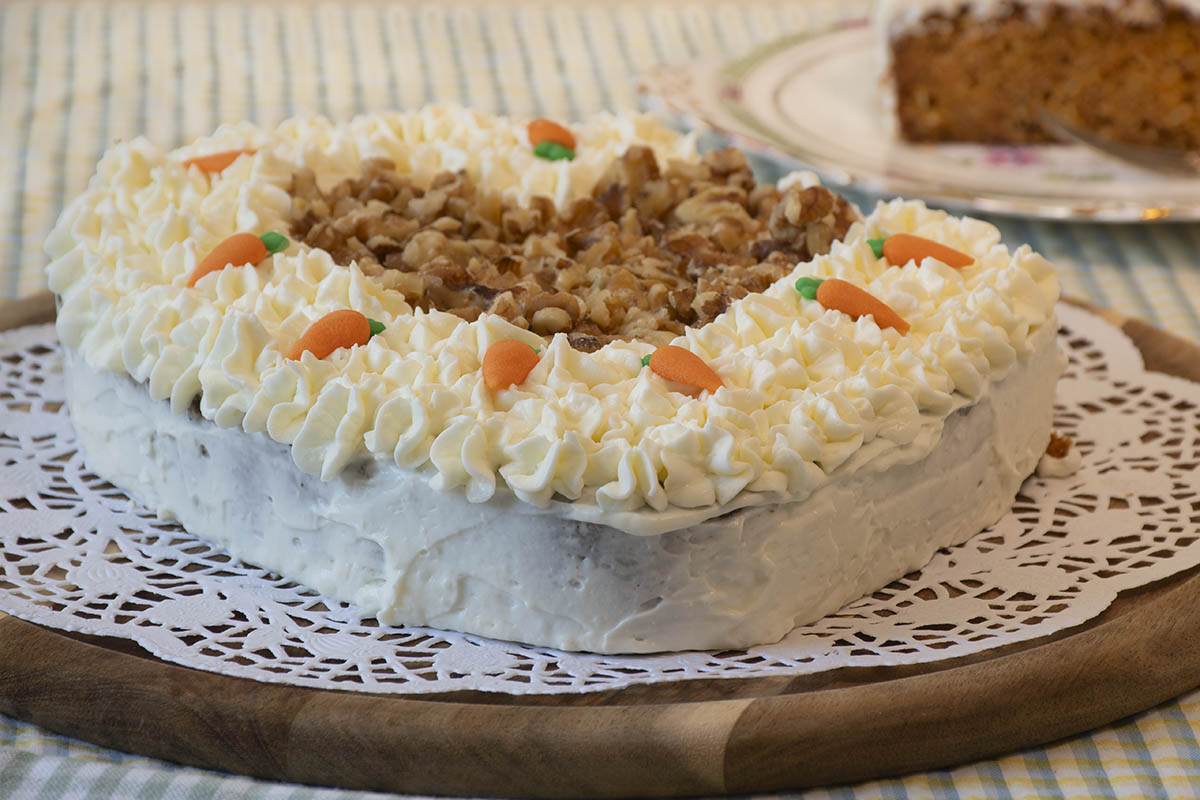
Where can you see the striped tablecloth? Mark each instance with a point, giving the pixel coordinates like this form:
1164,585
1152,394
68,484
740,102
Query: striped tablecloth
74,77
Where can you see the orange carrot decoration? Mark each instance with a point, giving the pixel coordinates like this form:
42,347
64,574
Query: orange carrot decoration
544,130
855,302
342,328
238,250
900,248
215,162
683,366
507,363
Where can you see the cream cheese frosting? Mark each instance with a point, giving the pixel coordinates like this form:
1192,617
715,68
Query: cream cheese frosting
592,436
894,17
1061,466
510,570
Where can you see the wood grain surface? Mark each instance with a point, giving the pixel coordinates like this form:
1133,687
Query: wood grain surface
694,737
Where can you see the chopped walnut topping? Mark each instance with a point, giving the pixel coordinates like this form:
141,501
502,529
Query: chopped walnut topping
651,251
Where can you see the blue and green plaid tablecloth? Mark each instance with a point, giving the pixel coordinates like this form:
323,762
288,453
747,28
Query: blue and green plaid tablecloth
74,77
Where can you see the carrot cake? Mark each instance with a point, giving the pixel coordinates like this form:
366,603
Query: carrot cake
602,394
983,70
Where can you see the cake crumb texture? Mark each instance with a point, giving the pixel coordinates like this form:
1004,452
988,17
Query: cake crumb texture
961,78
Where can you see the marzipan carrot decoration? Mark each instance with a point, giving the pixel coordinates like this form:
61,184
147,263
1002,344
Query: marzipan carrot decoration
551,141
855,302
507,363
342,328
215,162
544,130
683,366
239,250
900,248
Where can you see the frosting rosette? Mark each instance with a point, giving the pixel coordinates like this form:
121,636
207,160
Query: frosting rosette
594,436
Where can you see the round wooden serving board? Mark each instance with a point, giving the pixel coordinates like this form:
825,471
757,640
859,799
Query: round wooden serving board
698,737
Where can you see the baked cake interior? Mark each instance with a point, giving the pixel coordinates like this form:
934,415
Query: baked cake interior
960,75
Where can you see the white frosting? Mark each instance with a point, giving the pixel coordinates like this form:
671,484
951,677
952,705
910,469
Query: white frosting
377,536
594,436
1051,467
895,17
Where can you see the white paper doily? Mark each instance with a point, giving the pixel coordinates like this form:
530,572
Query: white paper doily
78,555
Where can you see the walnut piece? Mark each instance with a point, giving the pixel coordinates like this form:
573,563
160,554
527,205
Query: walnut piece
1058,447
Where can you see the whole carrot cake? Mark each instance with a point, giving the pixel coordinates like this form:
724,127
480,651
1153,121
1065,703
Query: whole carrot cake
579,386
982,70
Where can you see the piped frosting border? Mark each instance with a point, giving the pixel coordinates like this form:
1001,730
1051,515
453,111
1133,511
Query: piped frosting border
593,436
